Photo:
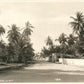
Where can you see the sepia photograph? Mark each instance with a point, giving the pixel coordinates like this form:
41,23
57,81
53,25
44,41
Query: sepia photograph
41,41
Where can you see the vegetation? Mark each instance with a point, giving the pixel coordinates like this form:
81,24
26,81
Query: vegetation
71,46
19,49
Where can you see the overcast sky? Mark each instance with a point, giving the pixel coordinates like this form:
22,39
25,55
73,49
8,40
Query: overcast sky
48,18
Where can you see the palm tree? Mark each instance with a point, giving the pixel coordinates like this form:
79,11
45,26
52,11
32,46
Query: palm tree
27,31
2,50
2,31
13,37
49,42
50,51
71,40
28,52
78,28
2,45
22,44
78,25
13,34
62,40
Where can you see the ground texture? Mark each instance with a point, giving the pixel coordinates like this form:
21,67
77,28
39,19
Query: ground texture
44,72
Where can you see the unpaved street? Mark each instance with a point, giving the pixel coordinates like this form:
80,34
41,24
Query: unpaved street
44,72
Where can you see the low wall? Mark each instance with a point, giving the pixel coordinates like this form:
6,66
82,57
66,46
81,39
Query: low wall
78,62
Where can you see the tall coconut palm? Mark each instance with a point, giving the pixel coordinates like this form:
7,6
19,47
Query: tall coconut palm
78,28
78,25
62,40
27,31
13,37
50,45
2,31
13,34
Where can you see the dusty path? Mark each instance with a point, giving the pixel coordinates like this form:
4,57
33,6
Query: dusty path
44,72
54,66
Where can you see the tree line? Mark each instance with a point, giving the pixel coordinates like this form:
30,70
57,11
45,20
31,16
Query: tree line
71,46
19,48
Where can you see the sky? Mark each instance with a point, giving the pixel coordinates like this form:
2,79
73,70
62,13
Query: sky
49,18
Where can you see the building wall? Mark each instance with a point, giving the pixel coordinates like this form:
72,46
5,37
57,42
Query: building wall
77,62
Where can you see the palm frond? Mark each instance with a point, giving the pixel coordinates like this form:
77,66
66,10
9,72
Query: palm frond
75,19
